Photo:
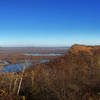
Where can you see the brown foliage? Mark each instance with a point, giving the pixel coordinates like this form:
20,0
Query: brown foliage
75,76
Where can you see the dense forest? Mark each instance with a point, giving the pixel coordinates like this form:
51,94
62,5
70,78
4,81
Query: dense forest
73,76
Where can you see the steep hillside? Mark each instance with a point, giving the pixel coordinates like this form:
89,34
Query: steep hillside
77,73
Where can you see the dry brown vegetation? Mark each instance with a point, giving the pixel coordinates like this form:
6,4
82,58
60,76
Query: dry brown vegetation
16,55
75,76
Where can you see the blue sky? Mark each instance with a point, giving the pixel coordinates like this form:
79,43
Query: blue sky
49,22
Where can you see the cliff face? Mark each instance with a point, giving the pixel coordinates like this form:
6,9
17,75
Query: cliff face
81,48
74,76
81,63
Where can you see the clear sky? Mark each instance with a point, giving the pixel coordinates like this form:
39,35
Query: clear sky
49,22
